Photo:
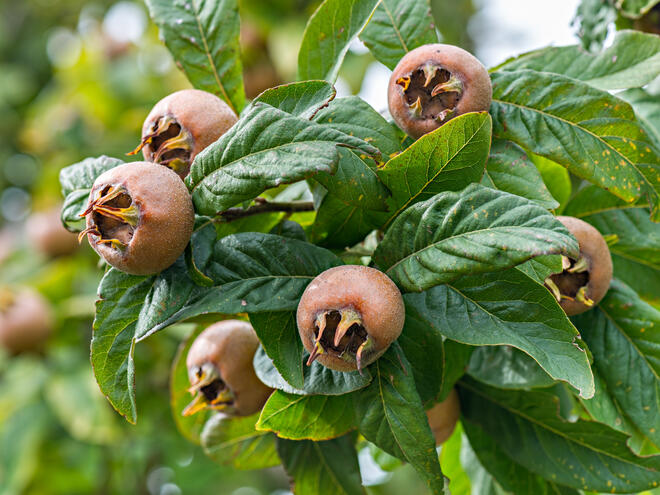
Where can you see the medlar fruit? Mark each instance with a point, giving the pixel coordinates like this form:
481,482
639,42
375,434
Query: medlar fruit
348,316
26,320
585,281
220,370
181,125
46,232
443,417
139,217
434,83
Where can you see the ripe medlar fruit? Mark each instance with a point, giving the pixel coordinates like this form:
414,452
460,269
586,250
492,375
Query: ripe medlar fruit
585,281
434,83
181,125
139,217
348,316
46,232
220,370
26,320
443,417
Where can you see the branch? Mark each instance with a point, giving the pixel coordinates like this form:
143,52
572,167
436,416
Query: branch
263,206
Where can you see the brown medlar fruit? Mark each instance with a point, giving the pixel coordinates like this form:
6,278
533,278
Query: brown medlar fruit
585,281
221,373
26,320
443,417
348,316
435,83
181,125
139,217
47,234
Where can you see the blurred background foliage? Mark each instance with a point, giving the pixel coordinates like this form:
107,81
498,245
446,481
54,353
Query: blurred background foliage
77,78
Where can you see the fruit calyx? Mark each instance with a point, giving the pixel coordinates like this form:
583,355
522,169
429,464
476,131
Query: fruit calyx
572,283
114,217
431,92
210,391
171,143
340,333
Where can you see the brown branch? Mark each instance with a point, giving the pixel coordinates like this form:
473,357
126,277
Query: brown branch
264,206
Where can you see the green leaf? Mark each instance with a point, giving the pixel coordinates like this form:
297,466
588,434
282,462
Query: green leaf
354,116
76,181
633,60
436,363
252,272
267,147
307,417
390,414
398,26
328,35
121,297
635,8
581,454
302,99
590,200
556,178
321,468
647,110
640,277
235,442
318,380
507,367
541,267
622,333
513,477
354,205
189,426
507,308
510,169
591,132
447,159
474,231
203,37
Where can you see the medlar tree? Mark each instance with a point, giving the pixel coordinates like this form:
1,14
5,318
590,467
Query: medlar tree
457,225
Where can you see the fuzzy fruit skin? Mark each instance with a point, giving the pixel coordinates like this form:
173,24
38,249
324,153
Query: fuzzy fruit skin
594,248
26,323
205,116
230,346
477,88
368,291
443,417
46,232
166,218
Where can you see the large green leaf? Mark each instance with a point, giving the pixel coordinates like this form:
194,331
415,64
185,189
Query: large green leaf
623,335
352,115
76,181
508,473
307,417
318,380
591,200
507,367
447,159
390,414
633,60
647,109
302,99
507,308
473,231
267,147
581,454
639,276
203,37
397,27
591,132
322,468
510,169
252,273
234,441
328,35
